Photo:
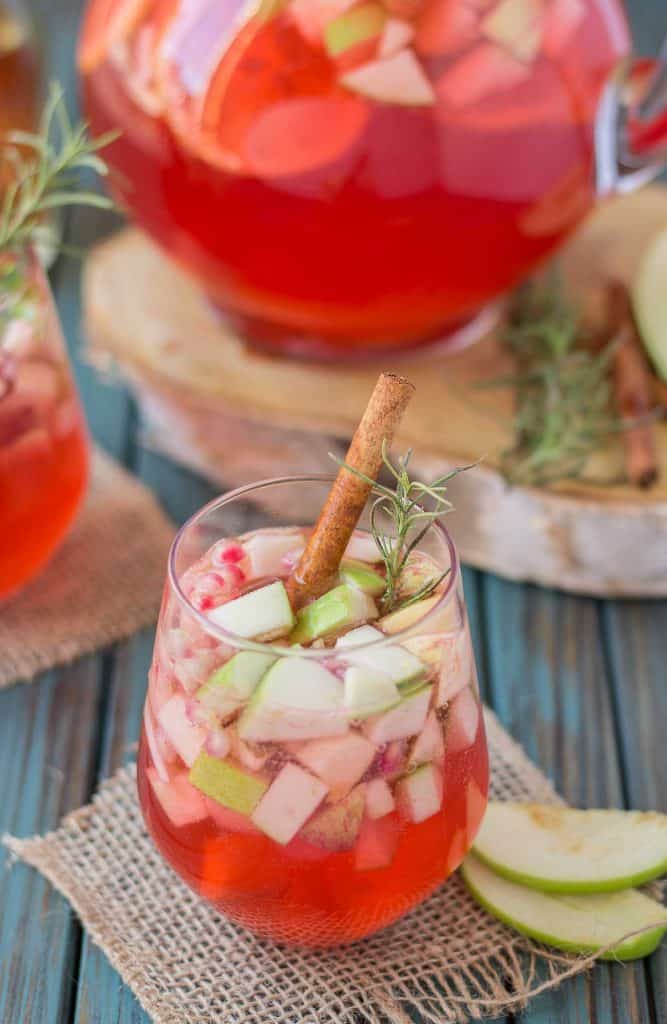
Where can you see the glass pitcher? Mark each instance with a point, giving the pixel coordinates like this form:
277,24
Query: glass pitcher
350,177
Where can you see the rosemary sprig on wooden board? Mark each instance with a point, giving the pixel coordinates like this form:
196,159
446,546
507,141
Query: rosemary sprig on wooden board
409,519
46,167
563,389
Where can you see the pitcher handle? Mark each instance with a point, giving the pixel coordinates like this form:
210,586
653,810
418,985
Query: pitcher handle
631,126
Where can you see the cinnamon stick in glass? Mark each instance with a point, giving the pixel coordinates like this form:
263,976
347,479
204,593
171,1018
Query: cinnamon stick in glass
318,565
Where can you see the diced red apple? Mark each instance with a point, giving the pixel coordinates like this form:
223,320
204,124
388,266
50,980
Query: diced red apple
516,26
339,762
456,667
446,27
337,826
462,722
266,551
186,738
377,843
396,35
406,719
430,744
419,794
480,73
180,801
379,799
399,79
288,803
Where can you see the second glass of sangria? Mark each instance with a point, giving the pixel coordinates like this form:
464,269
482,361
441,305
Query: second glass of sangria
350,176
313,775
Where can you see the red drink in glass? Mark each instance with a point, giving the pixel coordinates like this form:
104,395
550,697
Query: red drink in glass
43,438
313,793
345,177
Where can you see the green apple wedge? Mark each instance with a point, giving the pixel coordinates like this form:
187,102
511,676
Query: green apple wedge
336,610
618,925
561,849
649,298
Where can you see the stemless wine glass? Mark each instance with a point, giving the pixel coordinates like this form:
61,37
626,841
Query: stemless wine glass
43,438
313,793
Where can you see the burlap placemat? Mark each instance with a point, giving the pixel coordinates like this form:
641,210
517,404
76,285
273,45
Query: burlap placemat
445,961
103,584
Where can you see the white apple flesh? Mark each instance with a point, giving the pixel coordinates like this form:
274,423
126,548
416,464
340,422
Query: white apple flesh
288,803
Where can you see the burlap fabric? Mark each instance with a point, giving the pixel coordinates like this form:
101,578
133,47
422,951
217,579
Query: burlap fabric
446,961
103,584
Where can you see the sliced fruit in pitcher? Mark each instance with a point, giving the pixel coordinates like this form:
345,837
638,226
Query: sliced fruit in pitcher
575,923
396,35
360,25
561,849
230,686
361,576
264,613
221,780
337,609
368,692
186,737
405,720
462,722
419,794
296,700
379,799
399,79
516,25
339,762
648,296
288,803
104,23
362,548
429,745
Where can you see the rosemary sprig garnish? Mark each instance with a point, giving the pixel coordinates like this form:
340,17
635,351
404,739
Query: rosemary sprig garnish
46,176
564,407
406,509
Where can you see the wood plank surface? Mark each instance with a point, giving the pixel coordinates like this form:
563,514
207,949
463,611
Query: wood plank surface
580,683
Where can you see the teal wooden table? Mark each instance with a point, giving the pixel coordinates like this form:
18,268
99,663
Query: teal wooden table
581,683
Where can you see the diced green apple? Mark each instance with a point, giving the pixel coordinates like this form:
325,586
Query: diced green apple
266,551
396,35
377,843
462,721
430,744
419,794
264,613
288,803
340,762
359,575
180,801
362,548
336,828
297,699
405,618
649,296
368,692
395,662
576,923
516,26
353,27
399,79
234,683
561,849
379,799
406,719
220,780
186,738
360,636
337,609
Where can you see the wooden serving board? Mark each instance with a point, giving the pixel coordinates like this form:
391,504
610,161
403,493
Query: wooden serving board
239,416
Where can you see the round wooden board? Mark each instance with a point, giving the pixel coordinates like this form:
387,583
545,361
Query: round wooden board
237,415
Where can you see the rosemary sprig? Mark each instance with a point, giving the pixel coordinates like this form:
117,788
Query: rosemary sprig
46,167
406,509
564,402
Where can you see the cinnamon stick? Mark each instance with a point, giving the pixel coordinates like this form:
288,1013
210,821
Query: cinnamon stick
633,388
345,502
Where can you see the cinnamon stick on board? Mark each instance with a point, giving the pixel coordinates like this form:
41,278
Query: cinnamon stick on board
633,388
345,502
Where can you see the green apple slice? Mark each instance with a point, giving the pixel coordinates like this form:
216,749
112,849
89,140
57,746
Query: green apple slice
230,786
354,27
399,79
338,608
297,699
576,923
361,576
419,794
649,296
368,692
336,828
404,618
398,664
288,803
264,613
232,685
561,849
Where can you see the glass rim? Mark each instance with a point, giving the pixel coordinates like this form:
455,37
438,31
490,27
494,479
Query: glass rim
320,653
